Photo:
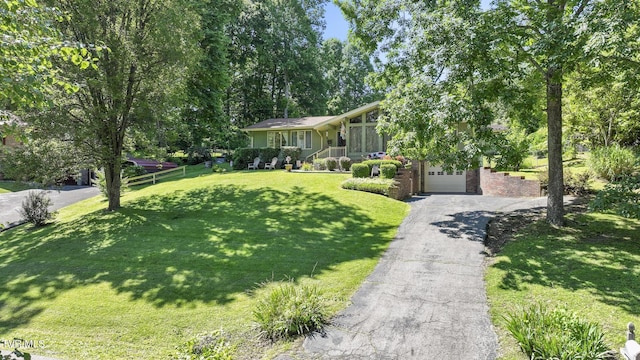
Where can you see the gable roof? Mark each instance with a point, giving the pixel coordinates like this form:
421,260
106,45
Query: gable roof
308,122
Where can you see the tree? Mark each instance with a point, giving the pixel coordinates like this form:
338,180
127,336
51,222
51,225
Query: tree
446,62
346,68
275,61
150,46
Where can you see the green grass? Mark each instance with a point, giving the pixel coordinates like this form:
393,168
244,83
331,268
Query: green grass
591,266
185,257
13,186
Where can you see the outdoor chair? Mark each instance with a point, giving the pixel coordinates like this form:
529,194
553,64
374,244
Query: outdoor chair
272,164
255,164
375,170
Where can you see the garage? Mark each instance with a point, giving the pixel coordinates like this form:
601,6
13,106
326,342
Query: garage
437,180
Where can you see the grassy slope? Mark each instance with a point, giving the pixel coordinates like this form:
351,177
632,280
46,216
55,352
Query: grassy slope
11,186
592,266
182,258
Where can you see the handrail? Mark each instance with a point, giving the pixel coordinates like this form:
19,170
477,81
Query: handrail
154,177
320,154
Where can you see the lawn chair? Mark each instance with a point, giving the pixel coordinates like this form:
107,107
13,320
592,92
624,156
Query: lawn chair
271,165
375,170
255,164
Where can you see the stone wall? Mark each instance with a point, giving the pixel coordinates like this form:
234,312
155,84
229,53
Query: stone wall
473,181
502,184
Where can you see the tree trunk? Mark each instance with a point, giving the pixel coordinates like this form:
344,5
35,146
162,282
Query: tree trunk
555,206
113,182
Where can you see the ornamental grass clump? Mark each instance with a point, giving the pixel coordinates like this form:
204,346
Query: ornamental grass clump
290,310
213,346
557,334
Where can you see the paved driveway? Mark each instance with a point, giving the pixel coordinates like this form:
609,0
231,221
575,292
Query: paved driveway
11,202
426,298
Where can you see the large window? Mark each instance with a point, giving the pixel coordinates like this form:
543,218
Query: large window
363,137
276,139
301,139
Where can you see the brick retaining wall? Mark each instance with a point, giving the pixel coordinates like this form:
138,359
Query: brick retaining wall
502,184
404,179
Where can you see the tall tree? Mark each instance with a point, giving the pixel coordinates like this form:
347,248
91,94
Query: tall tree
275,61
448,60
346,68
150,45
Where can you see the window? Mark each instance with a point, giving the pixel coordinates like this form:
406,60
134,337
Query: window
372,116
276,139
301,139
356,120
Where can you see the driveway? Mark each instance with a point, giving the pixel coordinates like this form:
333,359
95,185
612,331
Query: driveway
10,203
426,298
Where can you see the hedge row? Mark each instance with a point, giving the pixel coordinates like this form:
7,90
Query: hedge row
379,163
377,185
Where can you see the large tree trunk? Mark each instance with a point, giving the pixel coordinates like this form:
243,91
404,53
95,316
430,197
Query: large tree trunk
555,206
113,182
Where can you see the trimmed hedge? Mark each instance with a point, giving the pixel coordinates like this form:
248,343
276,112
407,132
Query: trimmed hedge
331,163
244,156
388,171
377,186
345,163
319,164
360,171
371,163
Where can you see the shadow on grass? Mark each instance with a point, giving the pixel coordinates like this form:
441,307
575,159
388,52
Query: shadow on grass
205,245
591,253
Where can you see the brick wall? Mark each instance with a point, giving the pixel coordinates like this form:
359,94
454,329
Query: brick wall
502,184
406,179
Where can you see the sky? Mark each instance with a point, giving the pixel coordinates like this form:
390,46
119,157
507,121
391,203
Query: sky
337,26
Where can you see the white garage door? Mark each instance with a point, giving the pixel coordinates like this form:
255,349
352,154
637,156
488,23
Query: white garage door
438,180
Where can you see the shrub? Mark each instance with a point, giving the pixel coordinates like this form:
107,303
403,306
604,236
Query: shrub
132,171
35,208
307,166
576,183
371,163
244,156
612,162
557,334
388,171
293,151
345,163
331,163
319,164
360,171
212,346
377,186
289,310
621,197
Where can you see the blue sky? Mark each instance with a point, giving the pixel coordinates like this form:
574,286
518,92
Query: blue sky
337,26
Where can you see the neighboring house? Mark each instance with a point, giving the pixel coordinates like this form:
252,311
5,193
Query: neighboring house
351,134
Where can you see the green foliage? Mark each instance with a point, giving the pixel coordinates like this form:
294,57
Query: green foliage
213,346
331,163
345,163
360,170
379,163
388,171
35,208
294,152
513,150
307,166
375,185
44,161
133,171
576,183
557,334
613,162
101,183
621,197
319,164
289,310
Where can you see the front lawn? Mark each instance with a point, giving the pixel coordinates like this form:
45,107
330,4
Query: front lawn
591,266
182,258
13,186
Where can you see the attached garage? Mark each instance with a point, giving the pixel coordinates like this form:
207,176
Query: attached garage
435,179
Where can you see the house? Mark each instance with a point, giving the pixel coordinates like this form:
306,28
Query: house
351,134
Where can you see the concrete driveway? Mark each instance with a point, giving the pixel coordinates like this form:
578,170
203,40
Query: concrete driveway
10,203
426,298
